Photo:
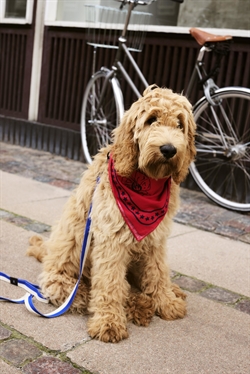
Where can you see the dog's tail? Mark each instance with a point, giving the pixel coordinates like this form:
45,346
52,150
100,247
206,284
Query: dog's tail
37,248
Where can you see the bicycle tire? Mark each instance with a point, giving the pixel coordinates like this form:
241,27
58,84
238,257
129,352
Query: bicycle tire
222,171
96,128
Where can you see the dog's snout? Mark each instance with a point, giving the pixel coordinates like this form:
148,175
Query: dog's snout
168,150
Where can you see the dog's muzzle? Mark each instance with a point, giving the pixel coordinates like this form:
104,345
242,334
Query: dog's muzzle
168,151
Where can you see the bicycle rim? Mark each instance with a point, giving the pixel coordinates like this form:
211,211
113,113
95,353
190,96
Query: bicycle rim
96,127
222,166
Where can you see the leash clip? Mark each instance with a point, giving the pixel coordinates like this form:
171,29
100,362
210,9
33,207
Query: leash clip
14,281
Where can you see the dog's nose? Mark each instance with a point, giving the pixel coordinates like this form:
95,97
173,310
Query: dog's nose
168,150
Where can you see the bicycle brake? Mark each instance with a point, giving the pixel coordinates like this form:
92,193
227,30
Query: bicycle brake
209,88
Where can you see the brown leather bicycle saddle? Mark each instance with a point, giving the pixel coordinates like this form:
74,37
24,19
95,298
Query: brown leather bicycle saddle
203,37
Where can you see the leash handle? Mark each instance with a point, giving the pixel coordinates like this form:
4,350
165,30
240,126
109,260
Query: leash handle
33,290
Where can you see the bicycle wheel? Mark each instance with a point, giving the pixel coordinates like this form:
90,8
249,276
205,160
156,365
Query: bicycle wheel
222,166
96,126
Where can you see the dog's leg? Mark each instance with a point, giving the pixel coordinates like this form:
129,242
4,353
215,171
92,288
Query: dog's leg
109,292
57,286
139,308
60,256
155,281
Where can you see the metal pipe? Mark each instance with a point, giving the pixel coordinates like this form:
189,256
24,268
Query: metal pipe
136,67
128,79
130,8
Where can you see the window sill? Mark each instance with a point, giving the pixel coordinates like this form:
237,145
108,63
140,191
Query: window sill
155,28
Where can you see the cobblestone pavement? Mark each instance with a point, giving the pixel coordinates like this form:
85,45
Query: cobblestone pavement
23,354
196,209
28,356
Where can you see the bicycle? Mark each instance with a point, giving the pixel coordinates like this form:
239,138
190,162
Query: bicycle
221,115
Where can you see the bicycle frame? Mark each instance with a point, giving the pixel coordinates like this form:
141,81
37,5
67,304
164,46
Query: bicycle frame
209,85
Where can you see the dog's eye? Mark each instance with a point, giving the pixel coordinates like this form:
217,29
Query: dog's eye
179,125
151,120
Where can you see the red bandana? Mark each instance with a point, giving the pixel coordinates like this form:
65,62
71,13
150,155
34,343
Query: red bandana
143,201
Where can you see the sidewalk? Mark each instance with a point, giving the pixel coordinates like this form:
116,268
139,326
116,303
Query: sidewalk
208,253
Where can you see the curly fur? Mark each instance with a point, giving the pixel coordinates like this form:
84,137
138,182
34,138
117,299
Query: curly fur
123,279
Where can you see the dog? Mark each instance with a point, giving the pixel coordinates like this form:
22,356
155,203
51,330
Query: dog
126,276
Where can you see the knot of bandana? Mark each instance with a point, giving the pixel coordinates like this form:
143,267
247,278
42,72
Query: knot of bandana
142,201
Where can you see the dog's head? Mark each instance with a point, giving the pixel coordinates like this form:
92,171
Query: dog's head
156,135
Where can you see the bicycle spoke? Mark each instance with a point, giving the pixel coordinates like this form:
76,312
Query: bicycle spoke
243,168
229,123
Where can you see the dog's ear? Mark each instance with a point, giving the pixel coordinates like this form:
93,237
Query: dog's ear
191,138
190,151
124,148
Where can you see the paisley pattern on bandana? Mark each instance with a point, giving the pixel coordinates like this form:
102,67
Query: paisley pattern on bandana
142,201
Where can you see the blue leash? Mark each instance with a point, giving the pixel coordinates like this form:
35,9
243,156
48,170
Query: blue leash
34,290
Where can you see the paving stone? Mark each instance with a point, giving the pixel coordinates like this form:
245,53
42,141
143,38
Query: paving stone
231,232
24,222
190,284
241,223
173,273
18,220
243,306
199,215
7,369
67,185
4,333
37,227
17,351
226,216
43,178
219,294
49,365
4,214
203,224
245,238
183,217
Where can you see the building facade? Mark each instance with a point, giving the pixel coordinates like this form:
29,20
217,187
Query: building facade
45,61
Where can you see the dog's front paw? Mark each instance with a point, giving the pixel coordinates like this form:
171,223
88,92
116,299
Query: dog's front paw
107,331
139,309
173,309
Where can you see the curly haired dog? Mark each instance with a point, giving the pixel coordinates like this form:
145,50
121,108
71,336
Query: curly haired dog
126,276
